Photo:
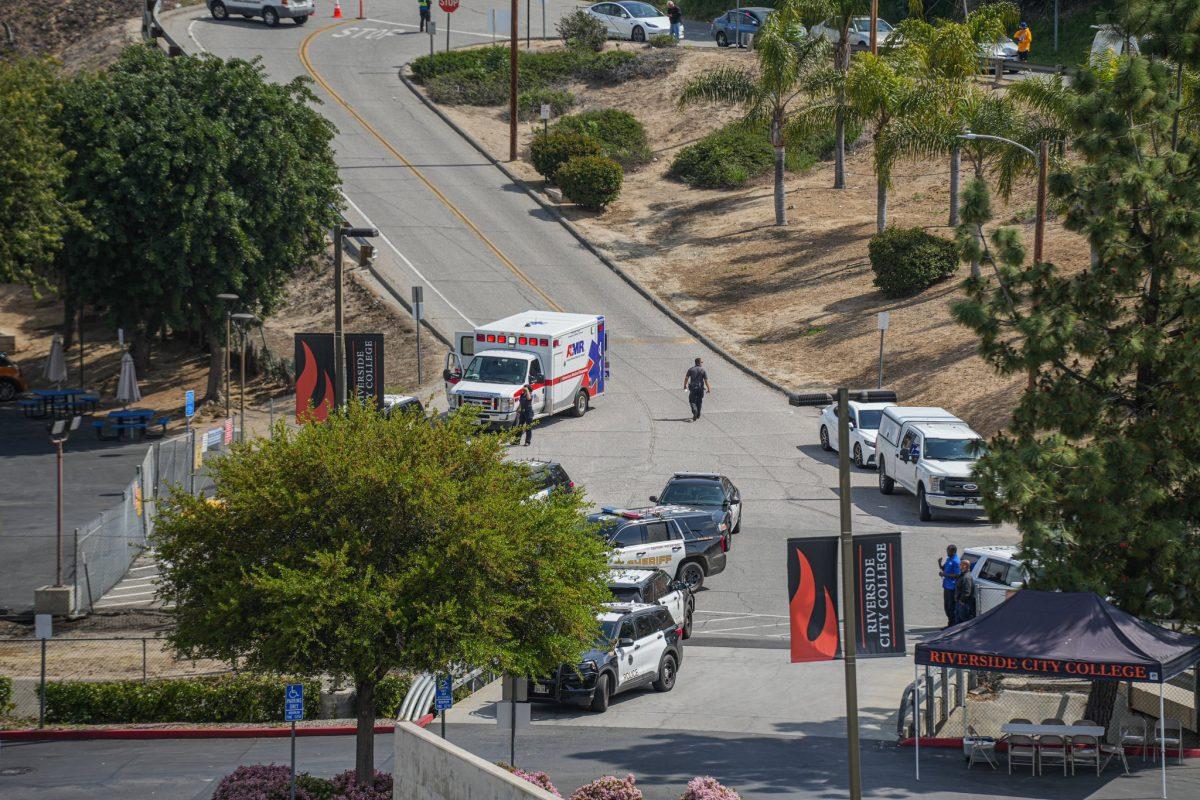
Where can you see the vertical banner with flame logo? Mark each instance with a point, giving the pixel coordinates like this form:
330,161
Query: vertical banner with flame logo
878,595
314,376
364,367
812,589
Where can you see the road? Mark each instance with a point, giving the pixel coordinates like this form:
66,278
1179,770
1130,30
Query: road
777,767
483,249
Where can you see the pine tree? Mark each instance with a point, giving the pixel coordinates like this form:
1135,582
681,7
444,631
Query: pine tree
1100,467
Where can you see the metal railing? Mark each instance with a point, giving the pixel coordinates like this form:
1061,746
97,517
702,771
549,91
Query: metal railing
153,31
419,700
937,701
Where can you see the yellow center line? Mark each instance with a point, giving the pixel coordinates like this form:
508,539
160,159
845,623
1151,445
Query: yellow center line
400,157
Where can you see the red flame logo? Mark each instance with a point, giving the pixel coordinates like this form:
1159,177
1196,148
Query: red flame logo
306,383
804,601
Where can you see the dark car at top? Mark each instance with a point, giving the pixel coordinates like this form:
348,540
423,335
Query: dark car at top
705,491
738,26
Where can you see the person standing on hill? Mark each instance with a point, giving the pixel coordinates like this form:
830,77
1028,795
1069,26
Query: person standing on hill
1024,39
676,18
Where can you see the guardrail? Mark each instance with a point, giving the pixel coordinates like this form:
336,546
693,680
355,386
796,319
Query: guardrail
153,31
933,691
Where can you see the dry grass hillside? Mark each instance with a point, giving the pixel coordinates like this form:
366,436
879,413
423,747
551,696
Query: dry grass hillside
796,302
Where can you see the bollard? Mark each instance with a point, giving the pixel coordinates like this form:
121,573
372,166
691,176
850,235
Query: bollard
928,701
143,660
42,690
945,695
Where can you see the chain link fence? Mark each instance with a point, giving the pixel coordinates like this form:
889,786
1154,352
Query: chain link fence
105,547
28,661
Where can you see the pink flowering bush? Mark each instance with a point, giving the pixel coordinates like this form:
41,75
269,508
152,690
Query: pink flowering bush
708,789
344,787
609,788
539,779
271,782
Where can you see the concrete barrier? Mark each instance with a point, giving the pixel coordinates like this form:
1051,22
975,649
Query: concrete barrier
429,768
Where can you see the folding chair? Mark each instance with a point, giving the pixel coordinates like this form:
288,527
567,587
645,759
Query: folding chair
982,748
1022,750
1051,748
1169,736
1134,735
1085,749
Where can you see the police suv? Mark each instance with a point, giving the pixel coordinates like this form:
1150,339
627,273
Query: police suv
649,585
639,540
638,645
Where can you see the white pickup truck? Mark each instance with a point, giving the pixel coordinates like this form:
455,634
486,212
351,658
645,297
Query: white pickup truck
931,453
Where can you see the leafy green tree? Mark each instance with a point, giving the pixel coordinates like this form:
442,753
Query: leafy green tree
366,544
33,168
197,176
1100,465
787,68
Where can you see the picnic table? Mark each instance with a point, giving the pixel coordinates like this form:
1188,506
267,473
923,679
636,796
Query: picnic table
1066,732
58,401
132,420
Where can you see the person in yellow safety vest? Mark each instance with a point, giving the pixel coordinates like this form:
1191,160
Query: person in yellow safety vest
1024,38
423,7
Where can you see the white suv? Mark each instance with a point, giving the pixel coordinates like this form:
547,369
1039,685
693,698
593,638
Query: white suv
271,11
864,426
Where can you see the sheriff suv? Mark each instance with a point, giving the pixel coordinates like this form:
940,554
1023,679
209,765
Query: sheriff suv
706,491
653,586
638,645
706,541
639,540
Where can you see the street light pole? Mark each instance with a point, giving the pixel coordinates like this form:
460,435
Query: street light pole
243,321
512,82
339,340
849,613
60,431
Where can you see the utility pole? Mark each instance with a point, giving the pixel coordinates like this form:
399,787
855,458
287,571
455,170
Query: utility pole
849,612
512,82
874,27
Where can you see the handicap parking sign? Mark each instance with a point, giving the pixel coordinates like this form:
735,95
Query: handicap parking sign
293,702
444,700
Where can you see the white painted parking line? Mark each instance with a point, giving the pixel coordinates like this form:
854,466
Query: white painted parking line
148,566
741,614
727,630
114,594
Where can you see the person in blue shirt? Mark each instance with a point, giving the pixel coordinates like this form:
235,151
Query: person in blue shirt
949,568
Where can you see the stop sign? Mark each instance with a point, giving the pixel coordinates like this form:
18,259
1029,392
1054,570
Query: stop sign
449,6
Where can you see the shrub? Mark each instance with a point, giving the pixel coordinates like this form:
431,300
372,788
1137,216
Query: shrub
592,182
490,59
468,87
271,782
708,789
344,787
609,788
390,693
6,693
581,31
550,151
539,779
529,104
907,260
621,136
238,698
662,40
619,66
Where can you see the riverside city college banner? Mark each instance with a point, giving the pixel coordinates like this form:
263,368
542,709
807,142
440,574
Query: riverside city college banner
878,595
812,589
315,374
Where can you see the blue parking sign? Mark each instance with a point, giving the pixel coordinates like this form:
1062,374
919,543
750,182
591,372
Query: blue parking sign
444,700
189,403
293,702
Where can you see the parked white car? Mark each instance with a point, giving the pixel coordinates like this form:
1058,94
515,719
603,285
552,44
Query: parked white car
1109,41
864,427
1003,48
997,574
859,32
631,20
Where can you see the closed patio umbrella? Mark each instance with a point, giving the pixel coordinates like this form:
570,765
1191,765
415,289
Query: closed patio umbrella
56,364
127,387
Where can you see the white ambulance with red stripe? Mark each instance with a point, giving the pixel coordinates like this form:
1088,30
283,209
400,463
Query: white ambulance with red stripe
562,357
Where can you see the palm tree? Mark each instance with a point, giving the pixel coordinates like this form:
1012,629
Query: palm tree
837,14
786,65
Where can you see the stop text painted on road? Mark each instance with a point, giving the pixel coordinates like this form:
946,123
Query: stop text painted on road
363,33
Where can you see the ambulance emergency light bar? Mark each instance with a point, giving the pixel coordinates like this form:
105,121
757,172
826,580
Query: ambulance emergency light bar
819,399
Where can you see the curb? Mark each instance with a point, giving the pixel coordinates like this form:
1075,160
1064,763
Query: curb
92,734
591,248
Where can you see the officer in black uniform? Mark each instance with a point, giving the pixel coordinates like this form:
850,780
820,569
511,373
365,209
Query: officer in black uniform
525,412
696,384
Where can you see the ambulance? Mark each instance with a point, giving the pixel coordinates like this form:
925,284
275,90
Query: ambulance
562,357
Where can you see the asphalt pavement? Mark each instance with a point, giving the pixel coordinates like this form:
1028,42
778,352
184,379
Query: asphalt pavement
759,767
95,475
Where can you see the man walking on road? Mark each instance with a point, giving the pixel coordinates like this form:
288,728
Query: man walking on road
949,568
525,412
423,7
696,384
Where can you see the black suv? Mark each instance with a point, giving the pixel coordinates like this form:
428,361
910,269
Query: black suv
548,476
706,491
637,645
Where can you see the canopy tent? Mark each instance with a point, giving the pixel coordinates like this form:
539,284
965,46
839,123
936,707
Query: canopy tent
1065,635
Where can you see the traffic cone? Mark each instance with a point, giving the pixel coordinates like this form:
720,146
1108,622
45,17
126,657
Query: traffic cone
337,9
